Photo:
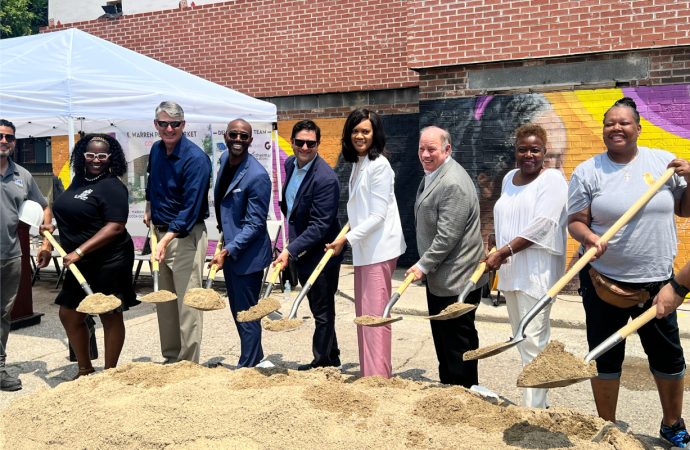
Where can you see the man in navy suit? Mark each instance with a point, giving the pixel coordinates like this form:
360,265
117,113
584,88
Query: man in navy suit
310,202
242,195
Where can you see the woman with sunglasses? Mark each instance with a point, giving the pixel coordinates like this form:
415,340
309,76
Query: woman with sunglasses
375,233
91,216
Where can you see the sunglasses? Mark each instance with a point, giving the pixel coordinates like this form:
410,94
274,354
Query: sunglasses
299,143
99,156
166,124
7,137
235,134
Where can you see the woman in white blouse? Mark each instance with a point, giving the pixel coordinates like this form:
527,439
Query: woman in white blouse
530,222
375,233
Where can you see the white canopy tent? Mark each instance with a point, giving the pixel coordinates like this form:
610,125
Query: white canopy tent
49,82
59,83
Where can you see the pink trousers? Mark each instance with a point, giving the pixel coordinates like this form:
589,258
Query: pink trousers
372,292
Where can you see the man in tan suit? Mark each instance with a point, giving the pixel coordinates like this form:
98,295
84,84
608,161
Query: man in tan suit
450,245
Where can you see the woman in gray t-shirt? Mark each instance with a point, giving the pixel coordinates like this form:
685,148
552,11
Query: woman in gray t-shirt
639,256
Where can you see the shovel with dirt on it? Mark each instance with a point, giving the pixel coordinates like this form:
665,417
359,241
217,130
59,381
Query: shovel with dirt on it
550,295
385,319
31,213
292,323
156,296
206,299
267,304
554,367
460,308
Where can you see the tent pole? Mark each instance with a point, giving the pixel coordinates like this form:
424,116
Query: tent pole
279,176
70,143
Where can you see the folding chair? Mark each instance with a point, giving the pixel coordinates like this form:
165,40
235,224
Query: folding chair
140,257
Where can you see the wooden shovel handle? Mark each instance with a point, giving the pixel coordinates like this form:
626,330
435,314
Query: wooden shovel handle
214,267
408,280
622,220
638,322
154,245
75,271
479,271
326,257
274,275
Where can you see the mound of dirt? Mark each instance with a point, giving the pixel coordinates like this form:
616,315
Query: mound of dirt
184,405
555,367
264,307
158,297
204,299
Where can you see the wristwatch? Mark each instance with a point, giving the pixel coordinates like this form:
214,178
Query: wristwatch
679,289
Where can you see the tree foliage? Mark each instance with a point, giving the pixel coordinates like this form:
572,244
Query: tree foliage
22,17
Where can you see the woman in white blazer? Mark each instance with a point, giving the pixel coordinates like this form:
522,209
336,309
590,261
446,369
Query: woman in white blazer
375,233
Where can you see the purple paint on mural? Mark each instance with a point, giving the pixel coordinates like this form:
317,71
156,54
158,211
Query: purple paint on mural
667,107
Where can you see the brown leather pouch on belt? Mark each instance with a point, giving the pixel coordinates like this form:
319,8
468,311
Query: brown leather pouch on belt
615,294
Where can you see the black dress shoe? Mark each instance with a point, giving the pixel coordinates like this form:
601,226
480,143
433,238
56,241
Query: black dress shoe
305,366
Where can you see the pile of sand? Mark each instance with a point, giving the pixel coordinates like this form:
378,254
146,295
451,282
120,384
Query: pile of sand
204,299
145,405
264,307
367,320
158,297
98,304
555,367
456,309
284,324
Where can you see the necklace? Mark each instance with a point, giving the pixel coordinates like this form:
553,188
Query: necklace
94,178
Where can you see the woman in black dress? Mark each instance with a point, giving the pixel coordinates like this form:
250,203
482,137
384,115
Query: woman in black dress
91,216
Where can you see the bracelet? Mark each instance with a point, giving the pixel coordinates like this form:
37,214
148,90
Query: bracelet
79,252
511,249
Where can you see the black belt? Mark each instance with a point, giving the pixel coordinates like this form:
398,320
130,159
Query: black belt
161,228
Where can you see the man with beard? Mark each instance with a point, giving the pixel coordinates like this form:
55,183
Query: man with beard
177,204
16,186
242,195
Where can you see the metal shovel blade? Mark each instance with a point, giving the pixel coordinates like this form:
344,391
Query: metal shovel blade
491,350
460,308
610,342
385,319
373,321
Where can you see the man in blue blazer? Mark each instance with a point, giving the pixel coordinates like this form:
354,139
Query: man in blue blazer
310,203
242,195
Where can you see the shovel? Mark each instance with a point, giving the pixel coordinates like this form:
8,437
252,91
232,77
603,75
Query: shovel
291,322
266,305
613,340
156,296
459,308
31,213
550,295
93,303
206,299
385,319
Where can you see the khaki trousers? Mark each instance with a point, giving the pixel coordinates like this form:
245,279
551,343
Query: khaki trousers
180,326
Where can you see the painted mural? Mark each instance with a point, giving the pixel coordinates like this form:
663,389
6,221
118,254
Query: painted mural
482,129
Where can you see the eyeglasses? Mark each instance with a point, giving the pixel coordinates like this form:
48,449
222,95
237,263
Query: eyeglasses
99,156
7,137
235,134
165,124
299,143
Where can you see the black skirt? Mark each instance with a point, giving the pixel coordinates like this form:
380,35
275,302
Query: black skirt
109,275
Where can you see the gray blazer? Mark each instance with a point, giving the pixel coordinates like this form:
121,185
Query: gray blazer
448,230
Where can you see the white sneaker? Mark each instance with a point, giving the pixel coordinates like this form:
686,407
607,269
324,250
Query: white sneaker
265,364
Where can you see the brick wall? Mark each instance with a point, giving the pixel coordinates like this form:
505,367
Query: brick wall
443,33
666,66
274,47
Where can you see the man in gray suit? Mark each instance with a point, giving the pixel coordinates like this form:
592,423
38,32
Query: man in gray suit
450,245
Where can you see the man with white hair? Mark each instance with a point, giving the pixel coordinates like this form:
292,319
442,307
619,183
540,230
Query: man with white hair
177,204
450,247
